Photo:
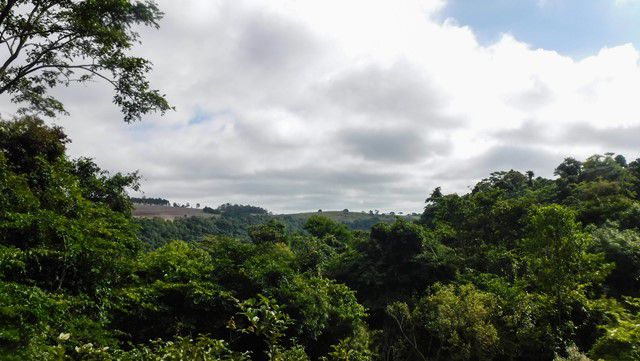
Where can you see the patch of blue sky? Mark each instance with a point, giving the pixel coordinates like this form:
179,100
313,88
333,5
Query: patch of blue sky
200,116
141,130
576,28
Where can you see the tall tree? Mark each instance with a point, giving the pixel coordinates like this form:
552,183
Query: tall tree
48,43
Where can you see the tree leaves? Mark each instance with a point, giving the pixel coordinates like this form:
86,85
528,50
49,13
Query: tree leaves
58,43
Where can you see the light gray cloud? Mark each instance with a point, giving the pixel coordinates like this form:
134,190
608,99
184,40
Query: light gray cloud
529,132
300,105
394,95
272,44
616,139
390,145
502,158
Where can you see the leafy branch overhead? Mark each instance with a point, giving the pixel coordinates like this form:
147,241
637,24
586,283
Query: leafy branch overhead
49,43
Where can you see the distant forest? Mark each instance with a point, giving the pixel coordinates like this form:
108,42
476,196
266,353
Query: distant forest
233,210
151,201
155,232
520,268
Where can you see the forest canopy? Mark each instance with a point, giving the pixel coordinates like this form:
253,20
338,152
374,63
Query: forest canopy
520,268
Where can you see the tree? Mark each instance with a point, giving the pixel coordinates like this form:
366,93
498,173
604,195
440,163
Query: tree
48,43
621,160
558,254
561,268
270,232
436,194
530,176
452,323
54,217
321,227
66,240
570,167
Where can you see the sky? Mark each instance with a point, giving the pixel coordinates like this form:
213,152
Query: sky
575,28
298,105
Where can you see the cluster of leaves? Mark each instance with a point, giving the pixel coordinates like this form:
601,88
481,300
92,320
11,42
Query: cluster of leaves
521,268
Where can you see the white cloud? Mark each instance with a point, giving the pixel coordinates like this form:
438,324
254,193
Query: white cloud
625,2
350,104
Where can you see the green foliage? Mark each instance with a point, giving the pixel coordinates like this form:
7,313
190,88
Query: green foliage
573,354
182,348
272,231
621,248
151,201
558,254
521,268
25,313
392,262
355,348
176,274
264,318
321,227
57,43
563,272
157,232
327,311
57,237
237,210
621,338
453,322
179,349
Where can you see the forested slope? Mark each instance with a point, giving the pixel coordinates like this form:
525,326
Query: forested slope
520,268
157,231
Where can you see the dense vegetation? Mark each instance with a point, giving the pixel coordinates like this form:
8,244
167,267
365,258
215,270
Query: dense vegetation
229,209
157,231
520,268
151,201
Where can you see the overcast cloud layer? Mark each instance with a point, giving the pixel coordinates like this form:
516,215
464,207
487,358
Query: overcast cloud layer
360,104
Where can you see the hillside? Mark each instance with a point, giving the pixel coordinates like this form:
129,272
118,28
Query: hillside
167,213
171,213
348,217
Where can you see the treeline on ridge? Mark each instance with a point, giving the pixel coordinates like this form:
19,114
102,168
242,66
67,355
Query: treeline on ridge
151,201
235,210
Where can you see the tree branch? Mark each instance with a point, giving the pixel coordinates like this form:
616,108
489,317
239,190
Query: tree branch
6,10
412,343
22,37
26,69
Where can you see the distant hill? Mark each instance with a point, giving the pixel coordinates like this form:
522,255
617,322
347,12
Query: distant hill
166,212
160,224
340,216
357,220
